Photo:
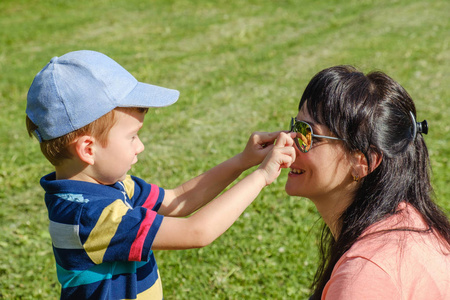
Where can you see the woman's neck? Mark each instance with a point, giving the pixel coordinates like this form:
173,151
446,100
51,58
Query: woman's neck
331,208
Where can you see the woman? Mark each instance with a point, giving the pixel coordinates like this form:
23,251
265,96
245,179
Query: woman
367,171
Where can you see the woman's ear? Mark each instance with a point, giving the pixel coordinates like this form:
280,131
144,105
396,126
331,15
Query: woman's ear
361,166
84,149
375,159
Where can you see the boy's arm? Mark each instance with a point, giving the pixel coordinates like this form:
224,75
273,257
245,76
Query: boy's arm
195,193
207,224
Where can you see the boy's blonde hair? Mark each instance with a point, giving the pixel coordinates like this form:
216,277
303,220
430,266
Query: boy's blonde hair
57,150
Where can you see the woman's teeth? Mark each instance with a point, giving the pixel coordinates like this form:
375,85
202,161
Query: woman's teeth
297,171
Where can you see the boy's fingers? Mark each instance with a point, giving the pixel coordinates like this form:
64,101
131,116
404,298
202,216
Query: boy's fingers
263,138
271,136
285,139
288,157
283,156
267,147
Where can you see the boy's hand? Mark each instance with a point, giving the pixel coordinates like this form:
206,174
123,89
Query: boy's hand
281,156
258,146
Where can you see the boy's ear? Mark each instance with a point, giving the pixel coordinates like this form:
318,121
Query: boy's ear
84,149
361,166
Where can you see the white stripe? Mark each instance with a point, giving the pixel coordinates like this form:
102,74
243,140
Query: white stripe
65,236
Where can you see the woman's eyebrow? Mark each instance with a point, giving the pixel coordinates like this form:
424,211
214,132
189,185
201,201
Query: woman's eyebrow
312,123
314,127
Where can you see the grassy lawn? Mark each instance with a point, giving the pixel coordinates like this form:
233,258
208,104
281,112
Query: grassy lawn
240,66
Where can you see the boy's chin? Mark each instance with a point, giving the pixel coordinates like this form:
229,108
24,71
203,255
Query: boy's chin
123,177
111,181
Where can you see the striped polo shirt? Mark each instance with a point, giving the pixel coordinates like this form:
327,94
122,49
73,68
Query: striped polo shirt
102,237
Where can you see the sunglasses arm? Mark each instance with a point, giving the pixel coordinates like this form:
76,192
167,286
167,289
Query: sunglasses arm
326,137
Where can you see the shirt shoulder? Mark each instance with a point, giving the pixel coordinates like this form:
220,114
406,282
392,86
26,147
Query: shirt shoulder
411,260
142,193
360,278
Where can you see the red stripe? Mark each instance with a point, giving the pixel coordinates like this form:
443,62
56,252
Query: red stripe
152,197
138,244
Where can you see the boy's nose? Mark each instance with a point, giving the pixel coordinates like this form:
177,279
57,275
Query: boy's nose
140,147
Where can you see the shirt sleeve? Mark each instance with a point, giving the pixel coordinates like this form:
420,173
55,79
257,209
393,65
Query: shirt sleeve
143,194
119,231
360,278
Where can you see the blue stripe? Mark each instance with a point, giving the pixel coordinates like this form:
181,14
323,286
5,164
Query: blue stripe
104,271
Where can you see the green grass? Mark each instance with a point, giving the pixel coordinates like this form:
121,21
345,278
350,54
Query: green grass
240,66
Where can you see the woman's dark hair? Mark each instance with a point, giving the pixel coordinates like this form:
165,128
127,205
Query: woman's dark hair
372,114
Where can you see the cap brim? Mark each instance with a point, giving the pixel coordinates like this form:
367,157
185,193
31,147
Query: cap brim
147,95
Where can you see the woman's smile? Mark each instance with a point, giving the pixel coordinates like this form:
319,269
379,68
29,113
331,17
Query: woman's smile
296,171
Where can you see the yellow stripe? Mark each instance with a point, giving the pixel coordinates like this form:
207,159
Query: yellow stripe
129,186
154,293
104,230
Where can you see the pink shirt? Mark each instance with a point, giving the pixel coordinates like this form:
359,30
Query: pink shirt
394,265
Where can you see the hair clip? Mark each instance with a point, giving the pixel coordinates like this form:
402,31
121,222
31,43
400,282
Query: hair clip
418,127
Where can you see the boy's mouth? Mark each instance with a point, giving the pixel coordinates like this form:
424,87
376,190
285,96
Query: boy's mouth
297,171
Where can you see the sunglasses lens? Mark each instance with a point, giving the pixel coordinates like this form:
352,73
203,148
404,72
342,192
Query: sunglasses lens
304,138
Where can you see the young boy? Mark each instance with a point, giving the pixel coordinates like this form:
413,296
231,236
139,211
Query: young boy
86,111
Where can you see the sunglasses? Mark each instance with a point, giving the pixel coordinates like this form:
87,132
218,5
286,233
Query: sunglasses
305,135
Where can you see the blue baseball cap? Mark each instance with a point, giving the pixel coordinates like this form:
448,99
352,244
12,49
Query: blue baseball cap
79,87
